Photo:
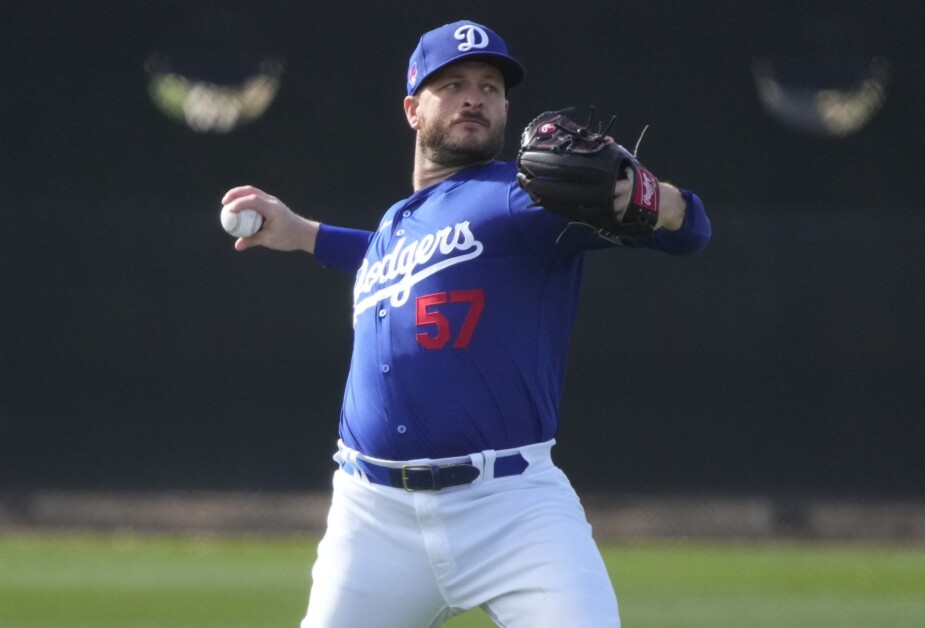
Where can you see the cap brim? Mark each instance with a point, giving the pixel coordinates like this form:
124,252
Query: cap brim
510,68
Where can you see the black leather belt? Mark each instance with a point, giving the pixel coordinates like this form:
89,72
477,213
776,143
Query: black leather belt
422,477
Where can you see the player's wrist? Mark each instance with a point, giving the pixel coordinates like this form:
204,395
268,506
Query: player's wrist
671,207
307,236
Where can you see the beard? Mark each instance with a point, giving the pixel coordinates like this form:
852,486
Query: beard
444,149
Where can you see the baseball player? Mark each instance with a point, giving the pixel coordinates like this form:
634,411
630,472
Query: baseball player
446,497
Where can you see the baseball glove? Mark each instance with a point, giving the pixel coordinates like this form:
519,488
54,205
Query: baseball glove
572,171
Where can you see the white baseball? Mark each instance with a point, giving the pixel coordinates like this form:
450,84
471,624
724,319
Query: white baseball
242,224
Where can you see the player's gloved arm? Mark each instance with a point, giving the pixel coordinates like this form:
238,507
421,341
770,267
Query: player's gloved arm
575,172
587,178
691,236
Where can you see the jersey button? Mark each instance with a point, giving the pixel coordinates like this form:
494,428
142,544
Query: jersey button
382,313
406,213
401,429
384,368
400,232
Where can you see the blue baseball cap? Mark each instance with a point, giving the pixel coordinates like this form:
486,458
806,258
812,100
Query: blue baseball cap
461,41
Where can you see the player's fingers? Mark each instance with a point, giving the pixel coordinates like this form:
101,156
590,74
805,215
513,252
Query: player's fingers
258,202
265,204
261,238
242,190
242,244
625,183
622,191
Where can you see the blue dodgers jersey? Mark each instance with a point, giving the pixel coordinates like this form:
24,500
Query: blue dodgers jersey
463,305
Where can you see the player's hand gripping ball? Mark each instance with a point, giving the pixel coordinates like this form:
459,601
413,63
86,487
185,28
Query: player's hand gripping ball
573,171
242,224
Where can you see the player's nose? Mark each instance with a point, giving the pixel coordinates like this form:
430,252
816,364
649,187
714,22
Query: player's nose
474,98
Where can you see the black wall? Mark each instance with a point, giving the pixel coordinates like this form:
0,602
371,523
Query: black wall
140,351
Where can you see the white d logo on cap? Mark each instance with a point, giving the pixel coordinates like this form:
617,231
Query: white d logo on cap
474,37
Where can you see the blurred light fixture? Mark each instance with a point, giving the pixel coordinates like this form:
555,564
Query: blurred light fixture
822,97
213,93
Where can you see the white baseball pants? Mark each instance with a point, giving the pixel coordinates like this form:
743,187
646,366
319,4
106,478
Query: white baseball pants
519,547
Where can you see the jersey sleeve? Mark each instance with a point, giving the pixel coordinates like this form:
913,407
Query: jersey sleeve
546,231
341,247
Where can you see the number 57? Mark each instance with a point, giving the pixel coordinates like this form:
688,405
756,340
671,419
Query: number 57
441,334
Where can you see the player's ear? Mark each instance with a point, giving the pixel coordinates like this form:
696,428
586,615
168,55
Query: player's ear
411,111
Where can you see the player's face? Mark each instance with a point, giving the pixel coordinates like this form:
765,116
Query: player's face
461,114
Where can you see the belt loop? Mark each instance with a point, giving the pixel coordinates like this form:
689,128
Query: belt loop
347,458
488,470
478,461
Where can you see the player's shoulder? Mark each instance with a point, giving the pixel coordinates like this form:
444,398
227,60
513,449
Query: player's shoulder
504,172
496,182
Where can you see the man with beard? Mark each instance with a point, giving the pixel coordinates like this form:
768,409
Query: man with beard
446,497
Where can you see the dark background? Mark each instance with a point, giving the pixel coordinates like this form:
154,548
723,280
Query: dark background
139,350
